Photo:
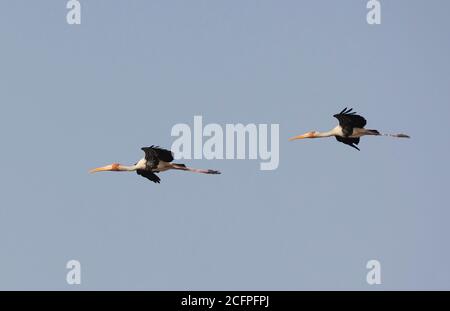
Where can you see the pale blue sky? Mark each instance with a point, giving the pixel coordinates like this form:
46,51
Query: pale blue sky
74,97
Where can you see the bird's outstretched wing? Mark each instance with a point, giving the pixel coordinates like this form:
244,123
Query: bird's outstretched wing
149,175
349,120
155,152
348,141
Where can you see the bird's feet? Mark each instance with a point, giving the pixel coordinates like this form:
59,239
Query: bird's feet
213,172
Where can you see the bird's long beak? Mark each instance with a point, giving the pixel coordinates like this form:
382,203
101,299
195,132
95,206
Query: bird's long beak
307,135
111,167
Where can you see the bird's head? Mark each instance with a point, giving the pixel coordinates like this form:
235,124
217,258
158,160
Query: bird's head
312,134
112,167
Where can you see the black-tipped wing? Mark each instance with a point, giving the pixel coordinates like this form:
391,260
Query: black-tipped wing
349,120
348,141
154,152
149,175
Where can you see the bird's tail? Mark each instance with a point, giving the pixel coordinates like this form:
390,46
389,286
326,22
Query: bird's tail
183,167
373,132
377,133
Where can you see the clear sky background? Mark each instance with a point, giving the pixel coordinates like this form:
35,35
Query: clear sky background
76,97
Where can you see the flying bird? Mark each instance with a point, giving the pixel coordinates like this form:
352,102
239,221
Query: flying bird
156,160
350,129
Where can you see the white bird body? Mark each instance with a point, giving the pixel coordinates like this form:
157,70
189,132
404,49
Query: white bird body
357,132
337,131
141,164
163,166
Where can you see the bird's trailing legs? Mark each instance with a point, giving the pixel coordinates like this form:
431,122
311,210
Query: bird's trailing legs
183,167
376,133
397,135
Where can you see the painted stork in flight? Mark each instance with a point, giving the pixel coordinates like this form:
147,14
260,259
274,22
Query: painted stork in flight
156,160
349,130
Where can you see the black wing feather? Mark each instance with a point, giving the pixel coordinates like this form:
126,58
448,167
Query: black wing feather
154,153
149,175
349,141
349,120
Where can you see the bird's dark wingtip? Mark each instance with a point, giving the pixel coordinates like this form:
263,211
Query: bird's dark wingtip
345,111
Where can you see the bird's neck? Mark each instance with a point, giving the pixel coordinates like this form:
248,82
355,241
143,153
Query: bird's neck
325,134
127,168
